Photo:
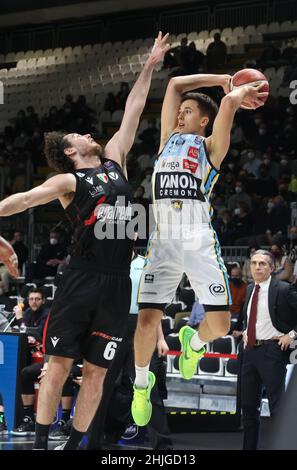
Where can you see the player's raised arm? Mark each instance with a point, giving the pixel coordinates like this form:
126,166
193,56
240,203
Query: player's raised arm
176,88
120,144
54,188
218,143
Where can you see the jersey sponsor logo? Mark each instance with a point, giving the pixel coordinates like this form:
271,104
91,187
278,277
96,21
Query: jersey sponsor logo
113,175
81,175
116,213
188,165
217,289
178,186
96,191
170,165
193,152
103,177
198,140
177,205
90,180
55,341
149,278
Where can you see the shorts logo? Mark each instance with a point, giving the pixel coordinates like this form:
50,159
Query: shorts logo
103,177
105,336
114,176
193,152
55,341
149,278
217,289
177,205
81,175
188,165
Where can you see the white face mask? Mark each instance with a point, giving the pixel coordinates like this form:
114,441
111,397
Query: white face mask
237,211
238,189
284,162
250,155
270,205
266,161
53,241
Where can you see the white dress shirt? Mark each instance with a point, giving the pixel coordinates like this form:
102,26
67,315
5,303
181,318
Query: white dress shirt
264,326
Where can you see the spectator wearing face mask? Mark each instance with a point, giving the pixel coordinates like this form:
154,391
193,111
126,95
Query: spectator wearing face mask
51,256
252,164
283,266
272,166
243,224
239,196
285,166
265,186
224,228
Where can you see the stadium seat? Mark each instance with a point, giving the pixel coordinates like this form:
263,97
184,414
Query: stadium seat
224,345
193,36
286,26
238,31
211,366
203,35
231,368
226,32
213,31
262,28
250,30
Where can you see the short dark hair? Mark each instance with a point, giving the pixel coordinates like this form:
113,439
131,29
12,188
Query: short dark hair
55,144
207,106
37,290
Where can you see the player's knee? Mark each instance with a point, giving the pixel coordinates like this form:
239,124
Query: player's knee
148,320
94,376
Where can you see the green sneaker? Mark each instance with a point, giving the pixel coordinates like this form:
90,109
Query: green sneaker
141,405
189,358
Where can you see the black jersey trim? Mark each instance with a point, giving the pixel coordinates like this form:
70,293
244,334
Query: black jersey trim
208,158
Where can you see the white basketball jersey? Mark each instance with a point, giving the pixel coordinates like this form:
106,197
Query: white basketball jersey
182,182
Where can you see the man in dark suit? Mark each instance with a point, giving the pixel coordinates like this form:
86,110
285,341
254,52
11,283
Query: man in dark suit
270,325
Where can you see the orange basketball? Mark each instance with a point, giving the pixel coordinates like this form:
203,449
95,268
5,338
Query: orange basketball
250,77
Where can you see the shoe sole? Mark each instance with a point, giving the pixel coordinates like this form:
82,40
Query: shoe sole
54,438
28,433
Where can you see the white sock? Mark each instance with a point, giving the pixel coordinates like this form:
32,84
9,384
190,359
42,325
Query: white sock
141,376
196,343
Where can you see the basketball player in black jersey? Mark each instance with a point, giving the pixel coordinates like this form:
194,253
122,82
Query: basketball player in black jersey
92,302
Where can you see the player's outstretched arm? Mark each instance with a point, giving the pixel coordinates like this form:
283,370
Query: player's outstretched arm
120,144
218,143
52,189
176,88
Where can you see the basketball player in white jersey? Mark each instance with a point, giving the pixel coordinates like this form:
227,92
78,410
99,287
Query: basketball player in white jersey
184,240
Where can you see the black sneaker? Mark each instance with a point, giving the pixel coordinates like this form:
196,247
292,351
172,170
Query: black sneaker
61,433
26,428
3,429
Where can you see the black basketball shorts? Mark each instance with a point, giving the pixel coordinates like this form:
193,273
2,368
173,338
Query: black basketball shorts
89,316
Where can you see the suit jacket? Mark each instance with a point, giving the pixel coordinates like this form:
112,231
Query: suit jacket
282,304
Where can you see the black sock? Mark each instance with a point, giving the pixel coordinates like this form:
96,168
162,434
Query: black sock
65,415
41,436
29,411
74,439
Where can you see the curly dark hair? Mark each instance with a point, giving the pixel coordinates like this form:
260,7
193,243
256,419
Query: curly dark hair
54,145
207,106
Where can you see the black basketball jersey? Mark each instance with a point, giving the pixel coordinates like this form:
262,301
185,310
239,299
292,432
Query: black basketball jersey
100,212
